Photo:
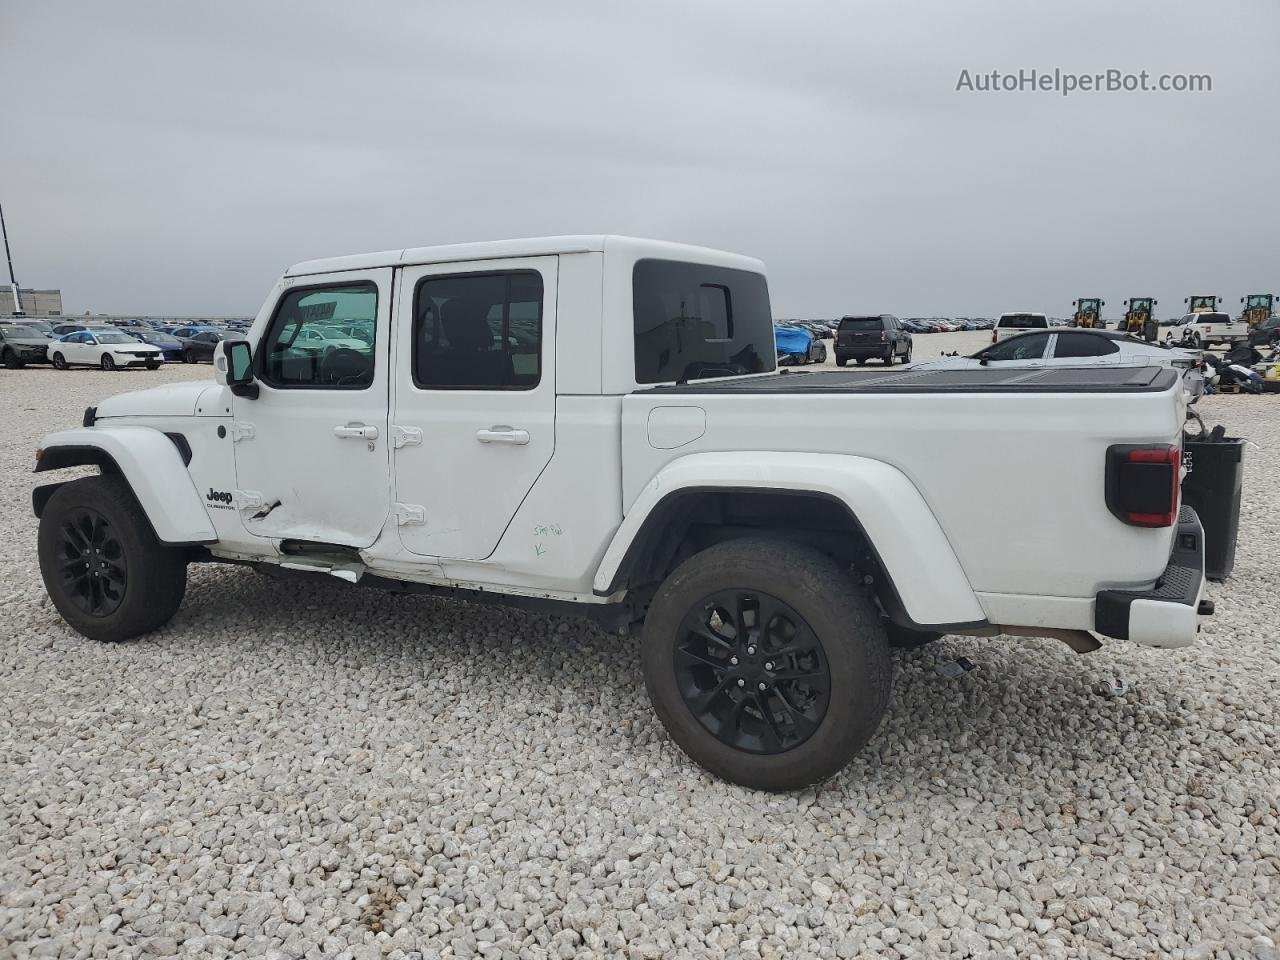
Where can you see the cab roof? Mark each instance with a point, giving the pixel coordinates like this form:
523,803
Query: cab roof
633,247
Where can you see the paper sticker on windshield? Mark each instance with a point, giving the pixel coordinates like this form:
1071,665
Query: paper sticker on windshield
317,311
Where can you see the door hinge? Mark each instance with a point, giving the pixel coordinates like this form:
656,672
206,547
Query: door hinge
407,513
241,431
405,436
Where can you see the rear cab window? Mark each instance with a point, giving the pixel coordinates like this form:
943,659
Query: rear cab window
693,321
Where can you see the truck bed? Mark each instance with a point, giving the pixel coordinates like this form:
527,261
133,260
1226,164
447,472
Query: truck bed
1052,380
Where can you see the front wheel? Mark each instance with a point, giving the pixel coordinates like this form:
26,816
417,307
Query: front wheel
107,363
105,570
153,365
907,357
766,663
11,361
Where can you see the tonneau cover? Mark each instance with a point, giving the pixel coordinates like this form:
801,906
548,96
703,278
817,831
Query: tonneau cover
1152,379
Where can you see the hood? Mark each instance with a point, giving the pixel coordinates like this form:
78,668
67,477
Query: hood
28,341
174,400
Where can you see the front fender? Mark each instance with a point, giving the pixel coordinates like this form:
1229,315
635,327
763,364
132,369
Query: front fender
153,467
897,521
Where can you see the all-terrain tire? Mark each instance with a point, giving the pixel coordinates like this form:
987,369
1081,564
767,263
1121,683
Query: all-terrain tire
833,607
155,575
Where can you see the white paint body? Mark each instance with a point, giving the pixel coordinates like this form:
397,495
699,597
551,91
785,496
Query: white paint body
425,493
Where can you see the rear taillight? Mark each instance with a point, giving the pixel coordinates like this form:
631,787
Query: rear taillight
884,337
1143,483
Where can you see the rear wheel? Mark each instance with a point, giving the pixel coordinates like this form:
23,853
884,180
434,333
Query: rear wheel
766,663
187,357
889,358
107,363
103,567
907,357
841,361
59,361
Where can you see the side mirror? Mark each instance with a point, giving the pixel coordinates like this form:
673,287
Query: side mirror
233,367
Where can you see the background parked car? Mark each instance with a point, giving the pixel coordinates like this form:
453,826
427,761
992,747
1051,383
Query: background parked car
62,329
43,327
170,346
1079,347
882,336
1266,334
20,344
1012,324
198,346
107,348
796,345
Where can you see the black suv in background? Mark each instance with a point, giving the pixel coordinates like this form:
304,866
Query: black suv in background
883,336
1266,334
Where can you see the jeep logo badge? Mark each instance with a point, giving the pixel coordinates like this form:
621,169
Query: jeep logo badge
222,496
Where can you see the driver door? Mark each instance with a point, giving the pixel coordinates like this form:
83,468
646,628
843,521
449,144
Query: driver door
311,449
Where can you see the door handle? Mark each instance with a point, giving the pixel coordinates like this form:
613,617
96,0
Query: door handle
501,433
356,431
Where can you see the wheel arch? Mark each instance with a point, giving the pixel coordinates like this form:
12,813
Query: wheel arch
153,464
862,511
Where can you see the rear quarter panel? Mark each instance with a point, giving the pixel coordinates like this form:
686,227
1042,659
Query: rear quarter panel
1015,481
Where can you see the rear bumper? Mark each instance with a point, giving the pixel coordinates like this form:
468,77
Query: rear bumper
864,350
1167,614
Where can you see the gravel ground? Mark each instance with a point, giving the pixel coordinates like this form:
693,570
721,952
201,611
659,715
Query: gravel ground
291,770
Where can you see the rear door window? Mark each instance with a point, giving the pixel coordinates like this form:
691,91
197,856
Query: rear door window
1083,345
696,322
478,331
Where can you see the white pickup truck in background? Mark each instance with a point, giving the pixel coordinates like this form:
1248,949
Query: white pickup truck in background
597,425
1206,329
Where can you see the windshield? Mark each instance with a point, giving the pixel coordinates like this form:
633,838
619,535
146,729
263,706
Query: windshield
1212,318
694,321
1024,320
113,337
1255,300
13,331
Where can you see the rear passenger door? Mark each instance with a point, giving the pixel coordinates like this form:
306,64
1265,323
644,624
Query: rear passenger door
474,400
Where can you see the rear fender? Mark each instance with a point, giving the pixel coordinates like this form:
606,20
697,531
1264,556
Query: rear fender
148,460
896,520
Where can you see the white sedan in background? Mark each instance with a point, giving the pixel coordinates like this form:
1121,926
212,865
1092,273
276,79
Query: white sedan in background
1078,347
105,348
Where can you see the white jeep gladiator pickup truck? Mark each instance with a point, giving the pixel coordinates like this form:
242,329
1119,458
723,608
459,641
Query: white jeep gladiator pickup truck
597,424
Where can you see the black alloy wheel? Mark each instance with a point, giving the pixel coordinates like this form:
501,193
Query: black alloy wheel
752,672
91,562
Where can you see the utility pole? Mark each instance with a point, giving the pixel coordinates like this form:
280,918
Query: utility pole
17,303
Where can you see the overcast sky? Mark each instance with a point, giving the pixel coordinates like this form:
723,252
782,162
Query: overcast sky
175,158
